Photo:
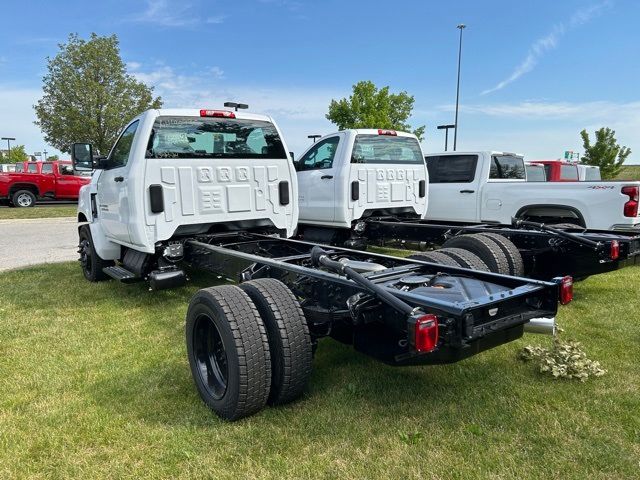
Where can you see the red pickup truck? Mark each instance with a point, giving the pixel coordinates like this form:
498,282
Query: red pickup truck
50,180
559,171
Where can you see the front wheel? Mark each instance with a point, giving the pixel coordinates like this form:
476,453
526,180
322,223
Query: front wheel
90,261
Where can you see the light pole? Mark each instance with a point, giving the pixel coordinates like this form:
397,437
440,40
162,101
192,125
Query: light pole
8,139
44,157
461,27
315,137
446,134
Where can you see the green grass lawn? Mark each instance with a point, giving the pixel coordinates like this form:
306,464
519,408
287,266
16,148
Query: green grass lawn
38,212
94,383
629,172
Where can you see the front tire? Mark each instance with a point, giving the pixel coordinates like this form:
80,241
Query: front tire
23,199
90,261
228,352
289,339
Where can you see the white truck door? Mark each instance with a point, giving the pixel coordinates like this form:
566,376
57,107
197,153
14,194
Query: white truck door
454,181
112,197
317,181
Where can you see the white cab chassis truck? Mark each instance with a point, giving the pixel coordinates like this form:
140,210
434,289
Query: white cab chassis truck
360,187
216,190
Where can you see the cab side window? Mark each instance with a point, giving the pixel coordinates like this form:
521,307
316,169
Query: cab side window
320,156
32,168
120,153
47,168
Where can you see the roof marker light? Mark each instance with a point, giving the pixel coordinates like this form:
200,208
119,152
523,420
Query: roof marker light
217,113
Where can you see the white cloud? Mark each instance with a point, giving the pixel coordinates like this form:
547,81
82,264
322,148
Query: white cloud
549,42
173,14
20,115
542,129
298,111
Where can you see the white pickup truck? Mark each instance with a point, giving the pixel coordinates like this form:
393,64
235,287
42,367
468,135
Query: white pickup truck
491,187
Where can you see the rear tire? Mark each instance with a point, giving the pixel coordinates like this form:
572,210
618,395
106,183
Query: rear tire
90,261
289,339
465,259
23,199
514,259
488,251
435,257
228,352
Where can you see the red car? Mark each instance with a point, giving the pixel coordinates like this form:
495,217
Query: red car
559,171
50,180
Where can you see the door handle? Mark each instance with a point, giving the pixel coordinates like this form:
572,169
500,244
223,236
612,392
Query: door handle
467,191
326,177
118,179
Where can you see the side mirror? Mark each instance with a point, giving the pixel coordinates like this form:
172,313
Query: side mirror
82,157
293,157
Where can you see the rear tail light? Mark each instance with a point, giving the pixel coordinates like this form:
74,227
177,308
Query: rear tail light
614,252
387,132
631,207
566,288
217,113
425,333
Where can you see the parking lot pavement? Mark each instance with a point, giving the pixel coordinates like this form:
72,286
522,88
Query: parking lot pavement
39,240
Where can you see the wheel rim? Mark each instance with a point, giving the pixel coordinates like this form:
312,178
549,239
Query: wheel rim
24,200
210,357
85,255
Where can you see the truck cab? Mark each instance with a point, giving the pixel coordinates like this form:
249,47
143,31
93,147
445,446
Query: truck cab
351,174
178,172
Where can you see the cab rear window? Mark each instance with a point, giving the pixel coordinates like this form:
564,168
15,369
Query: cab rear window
507,167
193,137
386,149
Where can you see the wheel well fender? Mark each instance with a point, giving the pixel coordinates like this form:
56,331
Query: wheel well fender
24,186
551,210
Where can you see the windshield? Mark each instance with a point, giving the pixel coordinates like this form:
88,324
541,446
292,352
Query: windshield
591,173
535,173
193,137
386,149
569,172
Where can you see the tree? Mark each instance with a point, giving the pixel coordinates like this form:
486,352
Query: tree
605,152
17,155
88,94
370,107
52,158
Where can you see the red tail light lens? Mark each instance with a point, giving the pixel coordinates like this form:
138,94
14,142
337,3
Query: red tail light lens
217,113
631,207
381,131
614,252
566,289
426,333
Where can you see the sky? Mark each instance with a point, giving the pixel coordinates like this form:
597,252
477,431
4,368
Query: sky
533,73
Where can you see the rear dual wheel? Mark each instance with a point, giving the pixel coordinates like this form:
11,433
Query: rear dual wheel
489,252
247,346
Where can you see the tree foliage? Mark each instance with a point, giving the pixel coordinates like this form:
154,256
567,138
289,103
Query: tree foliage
88,95
605,152
370,107
18,154
52,158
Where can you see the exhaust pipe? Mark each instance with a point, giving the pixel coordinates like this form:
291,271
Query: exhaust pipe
546,326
